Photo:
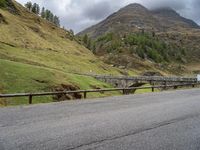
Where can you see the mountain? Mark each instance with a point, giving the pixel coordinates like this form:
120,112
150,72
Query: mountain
135,17
136,37
36,55
169,18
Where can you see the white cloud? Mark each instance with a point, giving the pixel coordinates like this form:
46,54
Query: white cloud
79,14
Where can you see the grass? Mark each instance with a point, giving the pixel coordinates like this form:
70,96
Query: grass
36,41
24,78
142,91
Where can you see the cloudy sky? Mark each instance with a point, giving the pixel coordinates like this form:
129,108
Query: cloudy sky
80,14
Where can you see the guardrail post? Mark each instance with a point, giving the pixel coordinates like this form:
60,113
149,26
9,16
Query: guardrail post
124,91
152,89
175,87
165,85
85,95
30,99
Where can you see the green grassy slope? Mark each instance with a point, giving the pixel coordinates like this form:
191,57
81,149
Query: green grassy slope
35,56
20,77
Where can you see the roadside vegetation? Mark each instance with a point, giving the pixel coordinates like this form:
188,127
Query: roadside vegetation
18,77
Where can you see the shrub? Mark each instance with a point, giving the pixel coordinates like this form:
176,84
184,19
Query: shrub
147,46
140,52
154,55
3,3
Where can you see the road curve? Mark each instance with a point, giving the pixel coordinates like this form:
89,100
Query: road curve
155,121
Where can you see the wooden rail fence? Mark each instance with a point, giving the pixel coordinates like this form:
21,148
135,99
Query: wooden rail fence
84,92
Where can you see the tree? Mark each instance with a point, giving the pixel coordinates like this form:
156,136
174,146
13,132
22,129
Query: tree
3,3
43,13
94,48
36,8
29,6
85,39
47,14
153,33
56,21
89,43
51,17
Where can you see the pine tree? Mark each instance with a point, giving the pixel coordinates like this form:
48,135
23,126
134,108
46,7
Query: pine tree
56,21
37,9
43,13
29,6
47,14
89,43
34,8
85,39
51,17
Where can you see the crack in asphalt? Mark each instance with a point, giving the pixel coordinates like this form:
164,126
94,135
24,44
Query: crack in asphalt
141,130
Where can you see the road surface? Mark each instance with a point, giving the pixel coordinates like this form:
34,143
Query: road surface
155,121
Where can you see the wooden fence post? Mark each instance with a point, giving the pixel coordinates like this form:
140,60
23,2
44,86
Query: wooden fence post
85,95
165,85
124,91
30,99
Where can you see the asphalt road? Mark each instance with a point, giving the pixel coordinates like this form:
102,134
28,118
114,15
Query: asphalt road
155,121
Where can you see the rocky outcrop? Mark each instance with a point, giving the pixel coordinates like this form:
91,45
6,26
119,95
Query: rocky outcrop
63,97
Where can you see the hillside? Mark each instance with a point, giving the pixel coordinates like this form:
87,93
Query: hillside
35,55
138,37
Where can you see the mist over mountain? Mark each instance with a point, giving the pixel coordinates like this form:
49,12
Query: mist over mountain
134,17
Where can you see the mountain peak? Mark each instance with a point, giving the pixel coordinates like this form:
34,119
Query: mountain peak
134,6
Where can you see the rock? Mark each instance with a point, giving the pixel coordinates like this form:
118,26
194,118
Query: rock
2,19
63,97
122,67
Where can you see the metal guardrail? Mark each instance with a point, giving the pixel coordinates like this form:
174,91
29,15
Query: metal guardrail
124,91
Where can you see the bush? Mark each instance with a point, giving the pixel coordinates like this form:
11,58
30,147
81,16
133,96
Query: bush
140,52
154,55
114,46
147,46
2,3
